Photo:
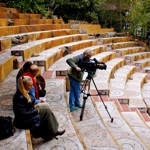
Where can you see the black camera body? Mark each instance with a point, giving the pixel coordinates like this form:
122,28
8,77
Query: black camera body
91,65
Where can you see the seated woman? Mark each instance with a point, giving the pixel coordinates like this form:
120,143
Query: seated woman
39,119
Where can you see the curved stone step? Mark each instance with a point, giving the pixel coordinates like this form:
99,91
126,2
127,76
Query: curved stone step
138,126
115,39
142,63
129,50
118,84
119,128
123,44
10,30
136,56
133,88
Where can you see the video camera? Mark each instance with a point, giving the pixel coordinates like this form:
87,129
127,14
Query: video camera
91,65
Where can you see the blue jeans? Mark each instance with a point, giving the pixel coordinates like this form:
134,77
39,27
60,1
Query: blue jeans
75,91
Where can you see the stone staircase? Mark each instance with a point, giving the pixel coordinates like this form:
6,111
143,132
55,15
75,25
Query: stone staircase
123,86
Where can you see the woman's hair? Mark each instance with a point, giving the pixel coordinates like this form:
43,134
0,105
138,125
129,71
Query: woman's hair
27,66
88,52
22,81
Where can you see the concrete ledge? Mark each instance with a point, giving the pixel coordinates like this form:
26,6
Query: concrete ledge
123,44
133,88
142,63
6,67
10,30
3,22
137,56
115,39
129,50
9,10
28,15
113,65
5,43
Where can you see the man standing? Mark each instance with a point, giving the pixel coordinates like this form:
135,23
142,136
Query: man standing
75,76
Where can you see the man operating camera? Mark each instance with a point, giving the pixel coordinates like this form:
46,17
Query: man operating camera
75,76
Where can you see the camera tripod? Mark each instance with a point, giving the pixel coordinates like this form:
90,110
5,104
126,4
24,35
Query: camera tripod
86,83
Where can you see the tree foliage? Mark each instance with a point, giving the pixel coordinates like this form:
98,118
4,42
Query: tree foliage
139,17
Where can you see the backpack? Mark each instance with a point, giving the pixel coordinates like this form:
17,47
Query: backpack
6,127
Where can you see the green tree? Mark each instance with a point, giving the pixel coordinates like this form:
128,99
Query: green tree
28,6
78,10
139,17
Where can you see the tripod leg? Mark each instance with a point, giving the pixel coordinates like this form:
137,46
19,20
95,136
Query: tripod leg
83,107
102,100
85,96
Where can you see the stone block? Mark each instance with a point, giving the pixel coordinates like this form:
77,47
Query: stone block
3,22
5,43
28,15
6,67
21,22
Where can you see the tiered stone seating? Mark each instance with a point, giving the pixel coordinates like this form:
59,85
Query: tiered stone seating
136,56
91,29
115,39
123,44
6,65
102,77
26,51
142,63
138,126
120,130
129,50
5,43
145,94
10,30
147,69
29,15
16,39
118,84
48,57
133,88
32,48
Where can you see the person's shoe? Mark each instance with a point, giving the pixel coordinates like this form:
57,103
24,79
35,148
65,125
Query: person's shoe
59,133
73,109
78,105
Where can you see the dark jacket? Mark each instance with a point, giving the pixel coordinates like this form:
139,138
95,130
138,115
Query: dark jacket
26,115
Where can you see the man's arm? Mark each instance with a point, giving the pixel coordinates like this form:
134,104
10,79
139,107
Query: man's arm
72,62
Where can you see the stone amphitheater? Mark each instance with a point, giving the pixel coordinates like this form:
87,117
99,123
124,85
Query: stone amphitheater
116,119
